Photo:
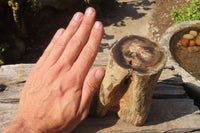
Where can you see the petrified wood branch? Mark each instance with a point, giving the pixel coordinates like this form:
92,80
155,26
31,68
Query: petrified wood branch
134,66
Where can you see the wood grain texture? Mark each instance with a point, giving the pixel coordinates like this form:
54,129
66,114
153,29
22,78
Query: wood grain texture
134,66
167,114
12,79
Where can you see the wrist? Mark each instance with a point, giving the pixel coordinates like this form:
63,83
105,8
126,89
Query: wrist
19,126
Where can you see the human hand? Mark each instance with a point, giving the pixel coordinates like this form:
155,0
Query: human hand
59,90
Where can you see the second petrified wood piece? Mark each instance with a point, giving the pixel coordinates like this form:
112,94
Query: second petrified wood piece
134,66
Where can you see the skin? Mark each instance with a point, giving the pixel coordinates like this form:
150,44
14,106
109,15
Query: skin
60,88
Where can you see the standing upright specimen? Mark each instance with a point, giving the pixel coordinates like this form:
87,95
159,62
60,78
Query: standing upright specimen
134,66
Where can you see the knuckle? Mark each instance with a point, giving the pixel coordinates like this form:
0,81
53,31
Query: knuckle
53,73
60,43
91,87
87,24
88,52
73,25
72,79
76,40
55,69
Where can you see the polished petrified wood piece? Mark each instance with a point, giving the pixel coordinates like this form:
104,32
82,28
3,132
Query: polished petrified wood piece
134,66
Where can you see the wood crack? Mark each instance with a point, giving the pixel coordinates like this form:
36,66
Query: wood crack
10,100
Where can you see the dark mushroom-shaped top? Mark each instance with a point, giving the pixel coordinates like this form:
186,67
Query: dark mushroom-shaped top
138,54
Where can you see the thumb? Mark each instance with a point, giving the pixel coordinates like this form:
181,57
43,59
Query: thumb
90,86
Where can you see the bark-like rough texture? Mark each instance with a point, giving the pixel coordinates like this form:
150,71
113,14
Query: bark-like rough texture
134,66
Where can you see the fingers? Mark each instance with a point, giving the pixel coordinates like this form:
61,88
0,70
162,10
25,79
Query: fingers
79,39
89,52
90,86
47,51
61,43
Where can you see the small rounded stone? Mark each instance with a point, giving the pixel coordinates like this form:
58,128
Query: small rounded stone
188,36
194,33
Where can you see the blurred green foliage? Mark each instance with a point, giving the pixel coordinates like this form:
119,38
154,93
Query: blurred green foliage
190,12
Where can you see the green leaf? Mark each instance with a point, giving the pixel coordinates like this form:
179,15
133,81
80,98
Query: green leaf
190,12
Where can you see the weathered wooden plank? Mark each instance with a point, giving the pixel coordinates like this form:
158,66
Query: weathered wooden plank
12,79
7,113
13,74
166,114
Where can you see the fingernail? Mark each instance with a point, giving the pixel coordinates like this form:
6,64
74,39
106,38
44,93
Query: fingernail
89,11
77,16
60,31
98,25
99,74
